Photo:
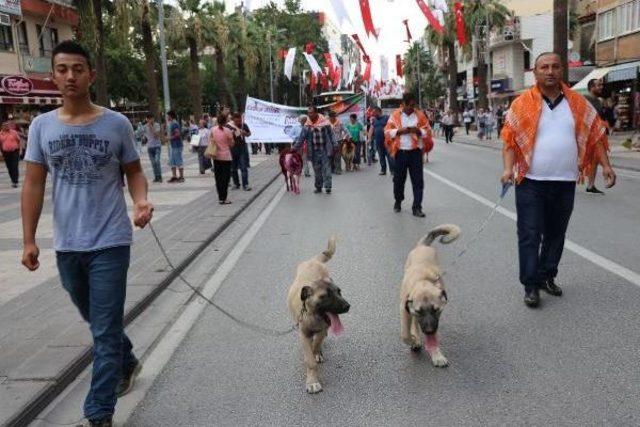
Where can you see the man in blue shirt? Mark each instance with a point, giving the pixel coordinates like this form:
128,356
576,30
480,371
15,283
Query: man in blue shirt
377,130
176,144
86,149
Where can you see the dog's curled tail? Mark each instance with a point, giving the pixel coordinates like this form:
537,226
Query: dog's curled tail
327,254
449,233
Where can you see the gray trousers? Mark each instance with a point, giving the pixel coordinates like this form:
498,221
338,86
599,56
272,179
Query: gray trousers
321,168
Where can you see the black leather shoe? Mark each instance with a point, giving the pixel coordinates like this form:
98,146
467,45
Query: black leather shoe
532,298
418,212
396,207
318,190
550,287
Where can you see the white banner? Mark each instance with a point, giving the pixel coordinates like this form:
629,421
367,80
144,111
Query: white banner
313,64
275,123
288,62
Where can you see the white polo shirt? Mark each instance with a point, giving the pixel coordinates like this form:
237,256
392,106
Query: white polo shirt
406,140
555,154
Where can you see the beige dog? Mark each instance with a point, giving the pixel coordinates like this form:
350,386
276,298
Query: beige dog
422,296
315,303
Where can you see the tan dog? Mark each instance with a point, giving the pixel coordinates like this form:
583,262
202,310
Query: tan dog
315,303
348,154
422,296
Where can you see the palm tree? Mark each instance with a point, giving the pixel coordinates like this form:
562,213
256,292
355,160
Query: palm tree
482,16
445,44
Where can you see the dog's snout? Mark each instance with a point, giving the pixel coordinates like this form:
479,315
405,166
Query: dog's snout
347,306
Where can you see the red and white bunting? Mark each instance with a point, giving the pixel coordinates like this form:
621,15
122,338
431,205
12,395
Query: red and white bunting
288,62
433,20
367,20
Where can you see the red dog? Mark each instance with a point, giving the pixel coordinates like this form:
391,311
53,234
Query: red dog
291,166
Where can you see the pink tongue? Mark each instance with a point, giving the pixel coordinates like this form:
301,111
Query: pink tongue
431,342
336,327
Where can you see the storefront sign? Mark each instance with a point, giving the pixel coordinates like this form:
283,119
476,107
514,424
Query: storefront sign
499,85
16,85
11,7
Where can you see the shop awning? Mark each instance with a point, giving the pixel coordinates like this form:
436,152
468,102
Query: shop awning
598,73
31,100
622,72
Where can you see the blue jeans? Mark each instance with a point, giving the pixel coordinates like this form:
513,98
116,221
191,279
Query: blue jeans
97,282
175,156
154,156
544,209
384,157
240,160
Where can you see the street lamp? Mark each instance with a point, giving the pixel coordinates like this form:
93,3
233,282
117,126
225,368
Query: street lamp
278,31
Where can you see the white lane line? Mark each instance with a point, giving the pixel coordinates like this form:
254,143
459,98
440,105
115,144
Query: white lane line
167,345
585,253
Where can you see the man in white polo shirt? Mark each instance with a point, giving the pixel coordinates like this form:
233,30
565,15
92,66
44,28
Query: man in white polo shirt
552,138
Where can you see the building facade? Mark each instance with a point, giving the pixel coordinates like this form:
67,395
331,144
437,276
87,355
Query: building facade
29,29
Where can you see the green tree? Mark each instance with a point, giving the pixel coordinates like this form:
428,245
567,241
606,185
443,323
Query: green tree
92,35
431,82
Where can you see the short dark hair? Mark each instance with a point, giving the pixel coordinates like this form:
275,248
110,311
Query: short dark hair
149,116
535,63
222,120
408,97
313,108
377,109
592,83
74,48
236,115
353,116
171,114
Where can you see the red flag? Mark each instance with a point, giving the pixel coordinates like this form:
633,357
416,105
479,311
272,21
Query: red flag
313,82
433,21
329,62
367,72
282,53
309,48
406,25
366,18
399,65
462,35
324,82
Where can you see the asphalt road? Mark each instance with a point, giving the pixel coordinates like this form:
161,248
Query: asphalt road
574,361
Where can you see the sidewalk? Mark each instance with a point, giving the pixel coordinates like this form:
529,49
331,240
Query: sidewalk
44,343
620,156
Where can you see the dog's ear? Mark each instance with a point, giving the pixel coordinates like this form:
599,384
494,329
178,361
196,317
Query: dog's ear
305,292
408,306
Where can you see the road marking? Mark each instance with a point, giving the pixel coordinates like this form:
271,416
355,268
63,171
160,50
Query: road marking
167,345
585,253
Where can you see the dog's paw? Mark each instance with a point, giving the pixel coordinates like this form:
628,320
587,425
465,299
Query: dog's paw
438,359
319,358
314,388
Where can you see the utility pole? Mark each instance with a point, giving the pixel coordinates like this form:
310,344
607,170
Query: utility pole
561,33
163,59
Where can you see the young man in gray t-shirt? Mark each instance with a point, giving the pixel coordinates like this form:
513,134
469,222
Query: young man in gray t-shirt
87,149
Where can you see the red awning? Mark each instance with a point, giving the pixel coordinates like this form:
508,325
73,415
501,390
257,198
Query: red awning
31,100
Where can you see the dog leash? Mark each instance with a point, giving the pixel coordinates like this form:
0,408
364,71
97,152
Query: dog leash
243,323
474,238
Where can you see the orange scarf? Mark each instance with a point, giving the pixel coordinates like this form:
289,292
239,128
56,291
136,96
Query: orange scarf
321,122
395,122
521,125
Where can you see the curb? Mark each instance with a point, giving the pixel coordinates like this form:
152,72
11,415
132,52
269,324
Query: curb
612,158
30,411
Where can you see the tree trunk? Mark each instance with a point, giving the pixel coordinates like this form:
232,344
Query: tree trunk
561,34
452,84
102,97
221,77
150,61
195,89
242,82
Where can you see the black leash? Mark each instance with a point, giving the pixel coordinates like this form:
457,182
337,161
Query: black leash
243,323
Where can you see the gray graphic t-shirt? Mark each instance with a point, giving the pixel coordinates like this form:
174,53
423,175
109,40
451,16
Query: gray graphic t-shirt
89,209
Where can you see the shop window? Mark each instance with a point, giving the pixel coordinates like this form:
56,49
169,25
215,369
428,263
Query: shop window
6,39
527,60
605,25
23,40
48,40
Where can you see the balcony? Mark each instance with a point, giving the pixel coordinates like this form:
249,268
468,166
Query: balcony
32,64
510,33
